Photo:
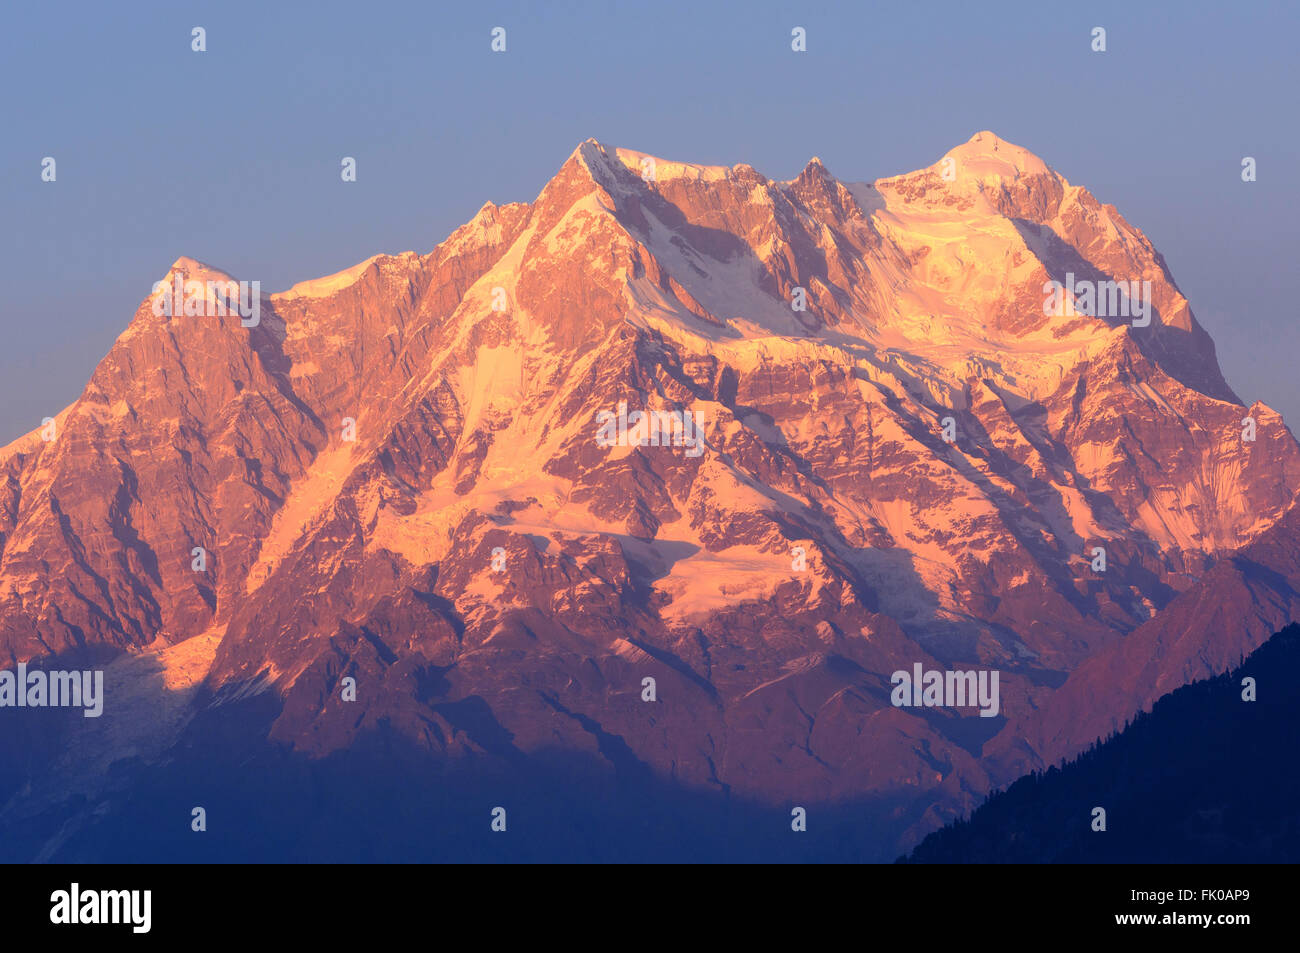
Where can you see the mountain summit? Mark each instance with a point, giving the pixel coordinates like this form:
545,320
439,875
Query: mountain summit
985,156
764,442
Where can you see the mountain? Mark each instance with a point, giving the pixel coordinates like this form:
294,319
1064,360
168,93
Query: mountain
1227,615
417,474
1198,779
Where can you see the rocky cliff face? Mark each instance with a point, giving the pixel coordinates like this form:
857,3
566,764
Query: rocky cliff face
425,473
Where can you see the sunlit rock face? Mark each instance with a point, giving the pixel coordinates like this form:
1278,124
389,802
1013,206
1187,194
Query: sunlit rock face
876,443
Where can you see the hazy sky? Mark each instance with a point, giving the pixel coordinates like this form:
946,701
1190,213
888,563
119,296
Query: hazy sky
232,156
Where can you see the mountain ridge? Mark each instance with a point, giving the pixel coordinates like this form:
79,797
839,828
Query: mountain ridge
1193,780
473,378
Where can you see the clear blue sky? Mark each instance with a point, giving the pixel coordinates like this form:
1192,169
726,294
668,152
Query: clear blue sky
232,156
